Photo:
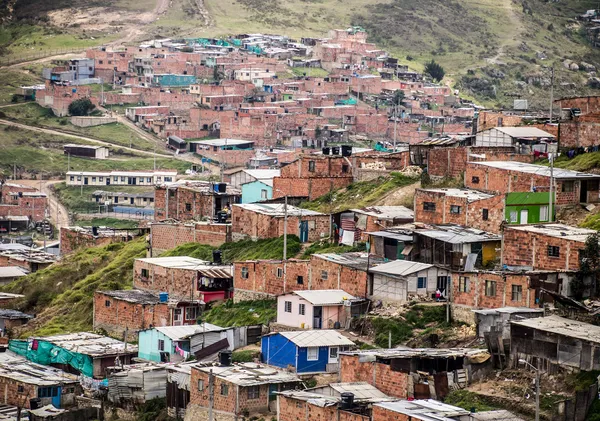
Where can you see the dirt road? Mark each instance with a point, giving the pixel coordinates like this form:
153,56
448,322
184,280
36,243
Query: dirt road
57,212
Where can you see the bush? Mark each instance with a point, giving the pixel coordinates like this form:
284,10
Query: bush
434,70
81,107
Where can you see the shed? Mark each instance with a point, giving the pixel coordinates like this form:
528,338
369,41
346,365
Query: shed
312,351
498,319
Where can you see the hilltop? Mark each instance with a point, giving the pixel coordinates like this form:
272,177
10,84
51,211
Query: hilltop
493,50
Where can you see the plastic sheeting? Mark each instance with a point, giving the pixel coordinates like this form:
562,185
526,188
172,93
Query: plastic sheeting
46,353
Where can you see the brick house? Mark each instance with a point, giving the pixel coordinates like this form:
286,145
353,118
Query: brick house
197,200
372,219
75,238
17,200
459,206
183,278
406,373
10,319
313,176
579,126
239,389
266,220
23,381
571,187
297,405
553,247
255,279
24,257
168,235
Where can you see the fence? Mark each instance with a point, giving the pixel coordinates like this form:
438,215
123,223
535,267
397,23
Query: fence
117,212
23,58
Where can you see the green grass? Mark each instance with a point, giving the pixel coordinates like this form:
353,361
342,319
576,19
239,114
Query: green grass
108,222
358,195
584,162
12,80
116,133
244,313
468,400
245,356
271,248
73,199
62,294
309,71
591,222
40,153
418,317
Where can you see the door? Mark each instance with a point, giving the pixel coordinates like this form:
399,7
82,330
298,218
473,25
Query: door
131,200
177,317
333,355
132,181
56,394
108,181
85,181
442,284
317,317
583,191
524,216
303,231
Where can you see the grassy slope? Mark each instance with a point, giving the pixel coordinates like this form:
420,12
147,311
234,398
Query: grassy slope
33,152
12,80
357,195
107,222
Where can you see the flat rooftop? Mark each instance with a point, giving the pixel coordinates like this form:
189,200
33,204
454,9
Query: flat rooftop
387,212
456,234
250,374
223,142
323,297
175,262
541,170
276,209
21,370
425,410
355,260
90,344
557,230
469,194
418,353
564,327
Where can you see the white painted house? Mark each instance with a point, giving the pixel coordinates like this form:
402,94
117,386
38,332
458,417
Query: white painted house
119,178
316,309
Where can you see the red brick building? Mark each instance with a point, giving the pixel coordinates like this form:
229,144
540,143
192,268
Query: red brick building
183,278
192,200
313,176
266,220
372,219
239,389
346,271
24,257
553,247
168,235
75,238
460,206
571,187
254,279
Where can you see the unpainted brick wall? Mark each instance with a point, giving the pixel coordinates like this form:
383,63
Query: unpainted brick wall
392,383
263,276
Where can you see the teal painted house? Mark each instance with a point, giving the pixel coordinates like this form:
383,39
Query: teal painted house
257,191
527,207
164,343
174,80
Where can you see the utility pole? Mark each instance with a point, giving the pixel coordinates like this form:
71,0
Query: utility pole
551,199
211,394
395,124
551,92
285,215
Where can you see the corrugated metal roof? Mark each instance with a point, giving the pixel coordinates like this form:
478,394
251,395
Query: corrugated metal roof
557,230
250,374
179,262
419,352
400,267
177,333
263,174
508,310
387,212
469,194
90,344
223,142
456,234
354,260
540,170
310,338
425,410
276,209
564,327
12,272
524,131
324,296
361,390
393,235
217,271
13,314
31,373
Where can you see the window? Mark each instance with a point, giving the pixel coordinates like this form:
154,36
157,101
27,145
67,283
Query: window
161,345
200,385
517,292
490,288
344,168
115,179
333,353
475,180
72,178
429,206
149,179
485,214
463,284
513,217
264,194
244,272
312,353
279,272
188,207
568,186
300,280
191,313
141,180
455,209
253,392
224,389
544,213
168,179
288,306
324,275
311,166
145,273
553,251
78,178
20,388
107,303
422,282
302,309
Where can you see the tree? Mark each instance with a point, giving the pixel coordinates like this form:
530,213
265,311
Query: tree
81,107
434,70
589,259
398,97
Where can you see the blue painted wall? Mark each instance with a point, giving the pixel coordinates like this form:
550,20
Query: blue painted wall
251,192
280,352
320,365
148,344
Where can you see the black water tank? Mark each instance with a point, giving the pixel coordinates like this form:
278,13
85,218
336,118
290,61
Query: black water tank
225,358
35,403
347,400
217,256
95,231
335,150
325,151
346,150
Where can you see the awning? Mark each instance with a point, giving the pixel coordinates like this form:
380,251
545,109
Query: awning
406,251
215,273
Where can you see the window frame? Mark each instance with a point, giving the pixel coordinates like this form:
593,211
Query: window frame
429,206
516,289
485,214
244,272
422,279
490,288
302,309
287,306
324,275
224,389
463,284
455,209
253,392
195,311
279,273
200,385
161,345
553,251
310,357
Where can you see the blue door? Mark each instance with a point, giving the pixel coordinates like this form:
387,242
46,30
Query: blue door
56,392
303,231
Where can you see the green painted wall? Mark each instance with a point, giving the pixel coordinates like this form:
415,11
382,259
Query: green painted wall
529,201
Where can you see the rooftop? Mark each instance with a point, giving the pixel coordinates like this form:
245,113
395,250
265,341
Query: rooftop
557,230
564,327
470,195
177,333
308,338
13,314
324,296
355,260
101,231
424,410
330,394
12,272
223,142
525,132
400,267
75,145
148,173
263,174
27,254
201,187
175,262
133,296
373,354
541,170
90,344
508,310
457,234
250,374
24,371
276,209
387,212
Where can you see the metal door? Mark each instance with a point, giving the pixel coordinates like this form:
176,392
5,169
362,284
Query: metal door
524,216
303,231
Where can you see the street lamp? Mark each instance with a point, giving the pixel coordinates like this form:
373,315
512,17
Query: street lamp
537,388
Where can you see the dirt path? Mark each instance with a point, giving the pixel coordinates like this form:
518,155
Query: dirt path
58,213
516,29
